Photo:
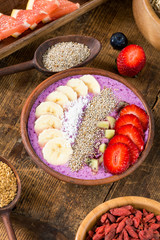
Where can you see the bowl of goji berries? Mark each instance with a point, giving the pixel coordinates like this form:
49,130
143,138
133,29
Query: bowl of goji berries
122,218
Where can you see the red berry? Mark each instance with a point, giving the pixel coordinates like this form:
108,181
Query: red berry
129,119
138,112
126,140
117,158
132,132
131,60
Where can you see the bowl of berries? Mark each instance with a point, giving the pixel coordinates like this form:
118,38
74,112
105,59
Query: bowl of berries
87,126
122,218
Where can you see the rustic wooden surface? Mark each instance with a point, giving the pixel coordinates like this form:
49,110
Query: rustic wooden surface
59,204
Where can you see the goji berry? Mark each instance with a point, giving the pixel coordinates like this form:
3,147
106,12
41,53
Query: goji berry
120,211
131,231
111,218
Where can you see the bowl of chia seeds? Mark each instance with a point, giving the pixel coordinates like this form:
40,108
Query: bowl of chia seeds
68,120
147,17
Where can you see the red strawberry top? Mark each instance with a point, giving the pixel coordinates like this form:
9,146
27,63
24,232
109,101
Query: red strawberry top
131,60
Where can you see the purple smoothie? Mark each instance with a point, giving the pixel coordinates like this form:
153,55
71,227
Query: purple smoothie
121,92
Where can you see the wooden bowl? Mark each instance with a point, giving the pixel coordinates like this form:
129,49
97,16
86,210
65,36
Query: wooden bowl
147,21
94,215
71,72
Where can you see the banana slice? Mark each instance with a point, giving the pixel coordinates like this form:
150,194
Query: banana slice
59,98
57,151
91,83
49,108
78,86
45,122
68,91
47,135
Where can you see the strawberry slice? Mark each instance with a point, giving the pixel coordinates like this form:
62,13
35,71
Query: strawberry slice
139,112
132,132
131,60
129,119
126,140
117,158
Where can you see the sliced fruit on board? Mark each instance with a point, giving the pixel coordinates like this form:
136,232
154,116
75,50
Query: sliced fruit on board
32,17
126,140
44,6
65,7
129,119
133,133
117,158
138,112
10,26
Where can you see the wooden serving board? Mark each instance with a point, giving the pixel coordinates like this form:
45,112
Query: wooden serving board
10,45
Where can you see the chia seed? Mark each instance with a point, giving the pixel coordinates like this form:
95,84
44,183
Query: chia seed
99,107
65,55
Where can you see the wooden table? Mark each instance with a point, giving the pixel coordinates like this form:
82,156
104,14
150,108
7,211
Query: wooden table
59,205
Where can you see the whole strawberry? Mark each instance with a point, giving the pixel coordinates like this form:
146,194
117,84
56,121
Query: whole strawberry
131,60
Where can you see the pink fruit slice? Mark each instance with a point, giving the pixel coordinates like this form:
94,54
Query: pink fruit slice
32,17
45,6
65,7
10,26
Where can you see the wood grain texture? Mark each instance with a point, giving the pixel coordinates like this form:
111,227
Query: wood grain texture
10,45
43,197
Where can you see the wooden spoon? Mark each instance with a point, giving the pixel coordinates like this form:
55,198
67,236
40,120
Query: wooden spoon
93,44
5,211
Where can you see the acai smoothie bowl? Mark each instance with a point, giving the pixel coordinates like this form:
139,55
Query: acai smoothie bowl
87,126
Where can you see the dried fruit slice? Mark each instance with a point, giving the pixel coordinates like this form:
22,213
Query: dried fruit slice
44,6
10,26
117,158
126,140
133,133
129,119
65,7
32,17
139,112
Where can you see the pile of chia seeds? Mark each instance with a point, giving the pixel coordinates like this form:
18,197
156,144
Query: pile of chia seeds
99,107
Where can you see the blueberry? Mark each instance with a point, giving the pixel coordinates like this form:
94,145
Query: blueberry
118,41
